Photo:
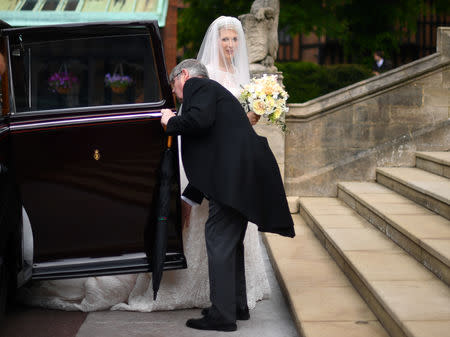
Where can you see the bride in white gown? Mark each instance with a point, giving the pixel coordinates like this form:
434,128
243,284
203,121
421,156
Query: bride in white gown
224,53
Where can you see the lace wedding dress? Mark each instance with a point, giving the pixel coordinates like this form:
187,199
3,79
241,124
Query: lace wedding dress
227,79
179,289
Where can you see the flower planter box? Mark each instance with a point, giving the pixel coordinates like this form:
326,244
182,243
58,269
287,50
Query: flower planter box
62,91
118,90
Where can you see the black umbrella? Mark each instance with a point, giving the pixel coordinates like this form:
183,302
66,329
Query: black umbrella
159,216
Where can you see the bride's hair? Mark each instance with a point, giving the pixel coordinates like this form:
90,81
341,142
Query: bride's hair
211,53
228,22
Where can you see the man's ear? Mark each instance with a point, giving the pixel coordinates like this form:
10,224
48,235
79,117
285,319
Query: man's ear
185,75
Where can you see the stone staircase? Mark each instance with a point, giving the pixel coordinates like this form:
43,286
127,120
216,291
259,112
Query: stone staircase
390,238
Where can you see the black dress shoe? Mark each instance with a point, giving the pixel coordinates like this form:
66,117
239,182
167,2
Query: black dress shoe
241,314
210,323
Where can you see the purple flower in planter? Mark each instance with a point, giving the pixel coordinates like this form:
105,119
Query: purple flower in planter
62,80
117,80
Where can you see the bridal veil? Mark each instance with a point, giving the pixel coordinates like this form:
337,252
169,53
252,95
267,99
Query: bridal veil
212,55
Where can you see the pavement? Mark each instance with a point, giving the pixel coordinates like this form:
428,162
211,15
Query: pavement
270,318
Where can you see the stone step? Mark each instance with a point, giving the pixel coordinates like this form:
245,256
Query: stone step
422,233
434,162
425,188
408,299
322,300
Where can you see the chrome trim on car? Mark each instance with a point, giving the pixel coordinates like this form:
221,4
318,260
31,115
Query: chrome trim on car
87,260
12,97
82,120
3,129
81,267
91,109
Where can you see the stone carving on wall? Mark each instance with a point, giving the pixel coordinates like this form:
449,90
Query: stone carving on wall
261,32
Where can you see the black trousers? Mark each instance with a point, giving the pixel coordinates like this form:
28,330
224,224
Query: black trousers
224,234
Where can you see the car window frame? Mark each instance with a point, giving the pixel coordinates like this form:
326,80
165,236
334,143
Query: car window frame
153,31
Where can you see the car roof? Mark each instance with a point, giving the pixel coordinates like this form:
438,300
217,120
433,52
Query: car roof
79,26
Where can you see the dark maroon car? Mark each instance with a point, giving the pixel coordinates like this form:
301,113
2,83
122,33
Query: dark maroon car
80,147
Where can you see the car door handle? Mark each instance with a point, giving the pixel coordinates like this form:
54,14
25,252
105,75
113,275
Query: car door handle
97,154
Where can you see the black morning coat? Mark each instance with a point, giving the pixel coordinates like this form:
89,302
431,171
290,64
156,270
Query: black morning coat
225,160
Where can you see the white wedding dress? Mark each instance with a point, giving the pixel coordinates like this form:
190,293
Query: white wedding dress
179,289
227,79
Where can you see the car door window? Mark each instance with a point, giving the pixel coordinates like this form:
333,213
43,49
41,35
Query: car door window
85,71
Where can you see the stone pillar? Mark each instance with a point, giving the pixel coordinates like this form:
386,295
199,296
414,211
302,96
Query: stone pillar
443,41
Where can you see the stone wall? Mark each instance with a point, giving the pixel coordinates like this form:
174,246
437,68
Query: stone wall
275,138
381,121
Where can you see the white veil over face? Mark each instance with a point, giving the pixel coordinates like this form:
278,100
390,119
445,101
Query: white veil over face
224,53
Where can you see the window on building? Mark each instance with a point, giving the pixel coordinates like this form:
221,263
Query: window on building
71,5
29,5
50,5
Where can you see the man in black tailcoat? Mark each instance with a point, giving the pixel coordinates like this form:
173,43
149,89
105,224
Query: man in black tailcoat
228,163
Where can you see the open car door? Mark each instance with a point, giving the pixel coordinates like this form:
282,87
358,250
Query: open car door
86,151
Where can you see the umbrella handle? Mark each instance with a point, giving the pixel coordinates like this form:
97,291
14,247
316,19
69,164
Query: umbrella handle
169,138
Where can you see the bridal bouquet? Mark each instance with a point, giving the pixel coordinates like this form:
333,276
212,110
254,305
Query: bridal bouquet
267,98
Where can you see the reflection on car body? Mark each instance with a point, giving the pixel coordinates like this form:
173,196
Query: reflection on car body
80,146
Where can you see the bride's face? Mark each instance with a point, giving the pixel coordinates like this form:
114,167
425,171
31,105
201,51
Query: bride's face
228,42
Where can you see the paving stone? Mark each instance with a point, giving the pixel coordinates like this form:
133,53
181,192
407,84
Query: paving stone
434,162
429,226
415,300
306,247
342,221
361,239
305,273
330,304
420,180
442,157
405,208
428,328
364,187
347,329
431,167
441,248
329,206
376,265
391,197
24,321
